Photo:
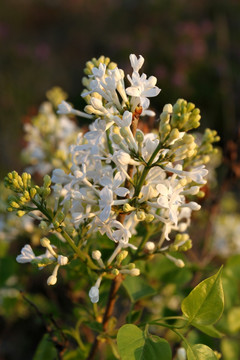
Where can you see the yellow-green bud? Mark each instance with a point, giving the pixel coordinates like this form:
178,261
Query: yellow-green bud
60,216
46,181
45,242
56,224
112,65
201,194
20,213
25,179
168,108
89,65
139,136
26,195
15,205
141,215
174,134
173,247
127,207
131,266
149,218
165,117
46,192
9,209
176,108
190,107
107,61
115,272
33,192
121,256
164,130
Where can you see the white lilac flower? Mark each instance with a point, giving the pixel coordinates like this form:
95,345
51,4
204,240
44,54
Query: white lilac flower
94,294
52,279
65,108
196,174
94,291
141,88
27,255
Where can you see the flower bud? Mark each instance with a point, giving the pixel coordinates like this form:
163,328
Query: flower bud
20,213
168,108
131,266
46,181
181,354
179,263
135,272
115,272
149,218
96,255
139,136
127,207
52,280
149,247
140,215
45,242
121,256
94,294
33,192
62,260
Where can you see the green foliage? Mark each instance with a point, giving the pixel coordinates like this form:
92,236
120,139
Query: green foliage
137,288
135,344
204,305
45,349
200,352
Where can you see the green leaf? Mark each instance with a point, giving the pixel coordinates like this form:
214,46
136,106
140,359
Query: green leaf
137,288
45,349
200,352
135,344
74,355
209,330
204,305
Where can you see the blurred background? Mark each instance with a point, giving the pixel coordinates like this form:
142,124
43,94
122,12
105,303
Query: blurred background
192,47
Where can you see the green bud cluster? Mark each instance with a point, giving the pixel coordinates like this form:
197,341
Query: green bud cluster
183,148
17,183
205,148
96,62
182,242
59,218
25,192
45,190
21,185
121,256
174,120
185,116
